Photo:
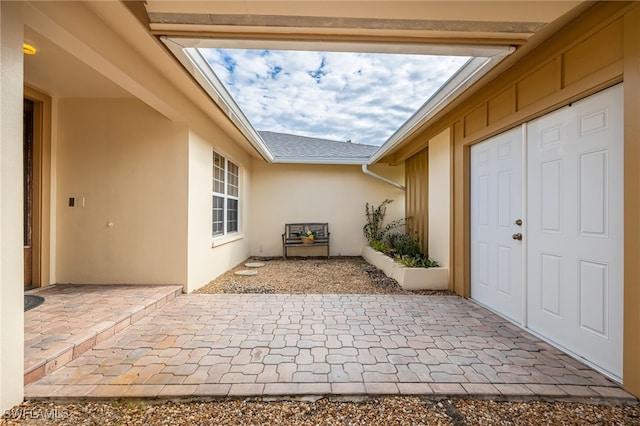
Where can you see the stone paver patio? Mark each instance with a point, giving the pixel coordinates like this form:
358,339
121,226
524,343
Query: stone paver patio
293,345
75,318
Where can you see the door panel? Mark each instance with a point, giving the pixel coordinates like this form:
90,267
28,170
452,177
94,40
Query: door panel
496,203
575,240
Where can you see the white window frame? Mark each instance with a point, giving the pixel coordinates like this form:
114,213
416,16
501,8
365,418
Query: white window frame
225,186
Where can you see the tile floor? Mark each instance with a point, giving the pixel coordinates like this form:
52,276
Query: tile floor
293,345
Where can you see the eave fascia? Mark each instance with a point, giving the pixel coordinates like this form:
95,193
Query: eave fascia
345,161
198,67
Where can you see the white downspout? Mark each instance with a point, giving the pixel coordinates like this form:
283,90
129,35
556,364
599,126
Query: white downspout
366,171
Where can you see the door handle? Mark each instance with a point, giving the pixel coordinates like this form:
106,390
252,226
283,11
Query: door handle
517,236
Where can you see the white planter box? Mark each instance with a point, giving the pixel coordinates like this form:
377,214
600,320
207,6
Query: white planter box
408,278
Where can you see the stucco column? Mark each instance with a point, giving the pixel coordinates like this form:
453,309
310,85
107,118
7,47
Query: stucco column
11,238
439,233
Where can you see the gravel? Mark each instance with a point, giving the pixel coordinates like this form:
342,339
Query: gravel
337,275
321,276
388,411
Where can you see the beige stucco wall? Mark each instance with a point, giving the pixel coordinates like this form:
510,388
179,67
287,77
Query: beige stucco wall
209,258
11,261
440,197
156,188
129,164
291,193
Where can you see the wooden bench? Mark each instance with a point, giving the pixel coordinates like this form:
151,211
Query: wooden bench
291,236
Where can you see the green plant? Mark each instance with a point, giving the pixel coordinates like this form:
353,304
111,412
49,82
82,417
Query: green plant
380,246
403,245
418,261
373,229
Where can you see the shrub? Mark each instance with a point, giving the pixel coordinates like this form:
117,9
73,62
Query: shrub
372,229
403,245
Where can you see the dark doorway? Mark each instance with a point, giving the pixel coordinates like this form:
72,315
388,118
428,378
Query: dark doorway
28,191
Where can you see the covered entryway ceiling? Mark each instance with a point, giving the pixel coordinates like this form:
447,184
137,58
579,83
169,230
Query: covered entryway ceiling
488,31
477,29
55,71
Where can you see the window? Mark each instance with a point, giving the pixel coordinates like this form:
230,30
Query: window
226,196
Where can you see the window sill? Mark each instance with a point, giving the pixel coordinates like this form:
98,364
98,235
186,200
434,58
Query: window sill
220,241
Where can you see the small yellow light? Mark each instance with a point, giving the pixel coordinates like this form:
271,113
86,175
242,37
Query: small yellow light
28,49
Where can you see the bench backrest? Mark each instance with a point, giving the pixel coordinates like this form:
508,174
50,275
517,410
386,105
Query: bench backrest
292,230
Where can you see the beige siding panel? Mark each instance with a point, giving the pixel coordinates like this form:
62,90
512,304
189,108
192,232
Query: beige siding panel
594,54
501,106
475,120
459,275
417,195
537,85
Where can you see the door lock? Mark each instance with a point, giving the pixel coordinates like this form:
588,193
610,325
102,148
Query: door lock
519,222
517,236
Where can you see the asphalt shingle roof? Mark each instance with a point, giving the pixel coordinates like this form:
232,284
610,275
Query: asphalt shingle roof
293,148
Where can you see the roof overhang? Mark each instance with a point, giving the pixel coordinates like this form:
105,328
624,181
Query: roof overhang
484,57
187,52
487,30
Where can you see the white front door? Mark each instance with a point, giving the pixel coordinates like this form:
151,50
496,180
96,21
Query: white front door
496,206
575,226
572,291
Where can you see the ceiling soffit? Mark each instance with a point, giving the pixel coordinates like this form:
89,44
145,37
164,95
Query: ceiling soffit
381,24
278,26
449,21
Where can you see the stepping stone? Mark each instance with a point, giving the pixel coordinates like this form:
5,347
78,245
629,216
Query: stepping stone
246,272
254,265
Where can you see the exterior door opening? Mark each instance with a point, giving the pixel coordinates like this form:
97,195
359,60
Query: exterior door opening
28,133
563,277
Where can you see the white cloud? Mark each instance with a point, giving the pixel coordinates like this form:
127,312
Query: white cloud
331,95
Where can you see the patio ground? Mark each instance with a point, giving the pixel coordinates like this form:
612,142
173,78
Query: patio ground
315,345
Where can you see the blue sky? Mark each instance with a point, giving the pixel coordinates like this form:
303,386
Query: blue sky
360,97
